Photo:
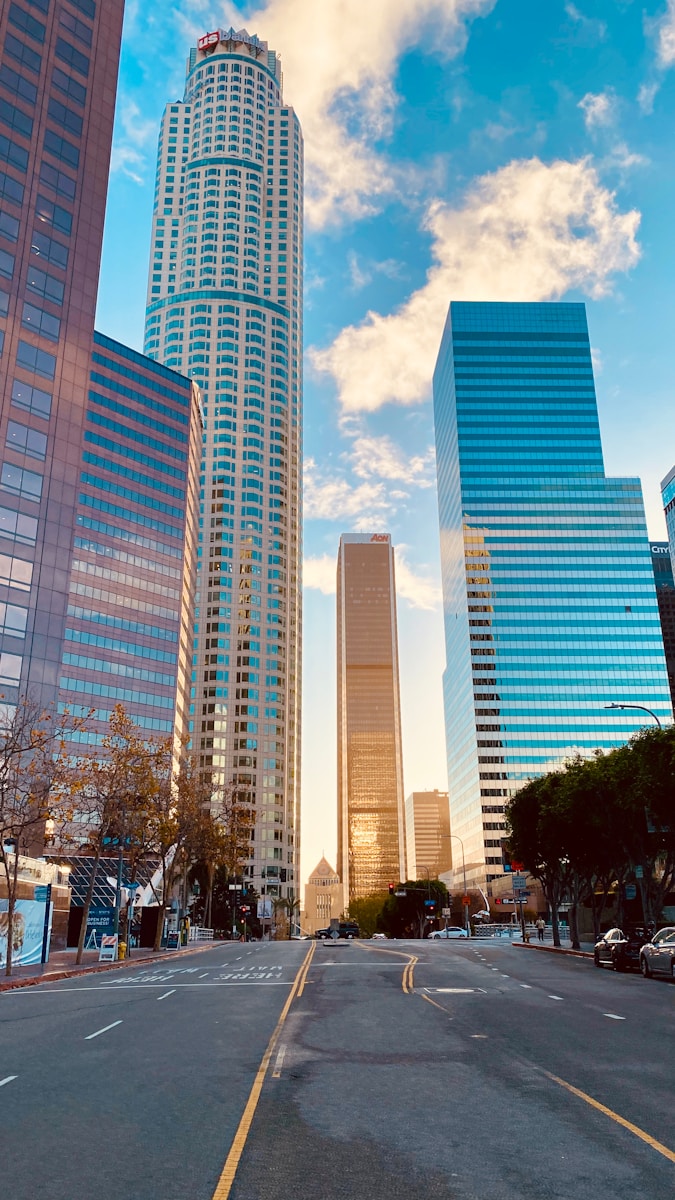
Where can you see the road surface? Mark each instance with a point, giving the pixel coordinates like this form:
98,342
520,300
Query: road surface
367,1071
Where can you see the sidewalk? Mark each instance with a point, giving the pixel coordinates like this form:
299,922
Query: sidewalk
62,964
586,950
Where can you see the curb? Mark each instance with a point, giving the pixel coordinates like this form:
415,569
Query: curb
54,976
553,949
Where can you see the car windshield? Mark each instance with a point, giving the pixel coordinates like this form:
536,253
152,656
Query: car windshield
664,935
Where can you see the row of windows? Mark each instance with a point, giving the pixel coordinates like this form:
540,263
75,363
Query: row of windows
13,620
31,399
125,695
105,667
153,610
133,414
106,643
182,398
127,514
123,623
26,440
134,560
48,248
158,485
135,455
106,485
87,568
128,535
41,322
126,432
18,527
19,481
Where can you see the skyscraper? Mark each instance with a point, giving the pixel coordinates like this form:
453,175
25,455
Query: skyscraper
225,307
427,830
549,598
58,77
665,595
371,819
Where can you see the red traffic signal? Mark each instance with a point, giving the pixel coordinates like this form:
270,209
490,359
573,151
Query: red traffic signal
391,889
244,908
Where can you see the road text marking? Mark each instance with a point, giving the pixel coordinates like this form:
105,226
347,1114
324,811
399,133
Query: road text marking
166,994
645,1137
614,1017
527,985
100,1031
7,1079
555,997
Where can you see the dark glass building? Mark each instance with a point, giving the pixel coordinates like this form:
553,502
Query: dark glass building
665,595
549,598
58,76
128,636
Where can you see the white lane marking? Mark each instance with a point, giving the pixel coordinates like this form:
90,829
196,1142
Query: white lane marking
482,1036
166,994
7,1079
451,991
100,1031
204,975
494,969
555,997
614,1017
506,976
276,1074
527,985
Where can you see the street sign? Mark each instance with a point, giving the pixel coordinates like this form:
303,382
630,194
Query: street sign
519,882
41,893
466,900
400,894
630,891
446,912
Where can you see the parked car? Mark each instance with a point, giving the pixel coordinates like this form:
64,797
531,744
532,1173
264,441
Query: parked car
379,937
452,931
621,950
657,957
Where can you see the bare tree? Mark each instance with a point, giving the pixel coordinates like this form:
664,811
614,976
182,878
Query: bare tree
34,774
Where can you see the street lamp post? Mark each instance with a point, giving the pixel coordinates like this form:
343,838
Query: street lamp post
466,907
641,707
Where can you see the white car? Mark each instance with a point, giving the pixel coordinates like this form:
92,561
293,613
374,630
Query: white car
452,931
657,957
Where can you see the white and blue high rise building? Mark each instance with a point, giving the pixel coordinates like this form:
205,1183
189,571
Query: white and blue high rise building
225,308
549,600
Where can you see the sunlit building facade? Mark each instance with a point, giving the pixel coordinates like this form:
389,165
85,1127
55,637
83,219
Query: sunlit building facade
371,818
225,308
665,595
549,599
324,898
58,78
427,828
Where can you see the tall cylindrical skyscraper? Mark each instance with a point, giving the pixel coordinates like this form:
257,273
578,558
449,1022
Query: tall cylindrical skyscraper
225,307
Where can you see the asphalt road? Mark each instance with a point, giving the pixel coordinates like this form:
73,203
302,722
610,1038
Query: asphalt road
455,1083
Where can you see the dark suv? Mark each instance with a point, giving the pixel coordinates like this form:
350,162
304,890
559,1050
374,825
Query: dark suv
621,950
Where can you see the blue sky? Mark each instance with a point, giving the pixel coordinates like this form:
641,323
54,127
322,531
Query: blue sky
455,149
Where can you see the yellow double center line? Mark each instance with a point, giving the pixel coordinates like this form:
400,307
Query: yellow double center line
407,980
224,1185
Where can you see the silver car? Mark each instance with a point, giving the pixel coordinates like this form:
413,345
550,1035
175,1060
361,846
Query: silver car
657,957
452,931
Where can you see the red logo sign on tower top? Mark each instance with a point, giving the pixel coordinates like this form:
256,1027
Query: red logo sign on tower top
209,39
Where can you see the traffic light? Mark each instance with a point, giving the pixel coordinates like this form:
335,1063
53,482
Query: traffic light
391,889
506,857
244,909
430,907
282,875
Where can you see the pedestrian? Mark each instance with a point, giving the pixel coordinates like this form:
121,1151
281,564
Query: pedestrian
541,925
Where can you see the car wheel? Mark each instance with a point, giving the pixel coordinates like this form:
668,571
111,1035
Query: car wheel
596,959
644,967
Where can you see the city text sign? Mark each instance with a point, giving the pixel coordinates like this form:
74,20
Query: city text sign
209,39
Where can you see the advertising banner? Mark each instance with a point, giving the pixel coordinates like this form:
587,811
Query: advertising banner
264,909
27,934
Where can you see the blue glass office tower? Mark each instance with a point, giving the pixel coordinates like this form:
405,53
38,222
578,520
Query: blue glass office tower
549,598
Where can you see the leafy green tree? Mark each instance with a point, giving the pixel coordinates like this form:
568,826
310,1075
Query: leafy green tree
366,912
406,916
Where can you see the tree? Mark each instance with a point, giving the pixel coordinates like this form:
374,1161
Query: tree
366,911
291,905
406,916
108,795
536,838
34,770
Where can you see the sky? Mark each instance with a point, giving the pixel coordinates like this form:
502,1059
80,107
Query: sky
455,150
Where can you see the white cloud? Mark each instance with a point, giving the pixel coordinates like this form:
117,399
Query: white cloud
362,273
646,96
599,109
135,132
666,37
420,591
379,457
530,231
590,26
319,573
340,59
334,498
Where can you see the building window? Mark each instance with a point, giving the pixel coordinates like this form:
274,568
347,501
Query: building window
6,264
27,24
18,85
13,620
10,668
42,284
9,227
11,189
16,572
49,249
60,219
70,87
31,358
21,482
61,148
40,321
61,115
79,30
31,399
13,154
15,119
62,184
68,54
17,527
23,54
26,440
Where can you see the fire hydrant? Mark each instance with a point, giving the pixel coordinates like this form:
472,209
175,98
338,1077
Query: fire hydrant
121,950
